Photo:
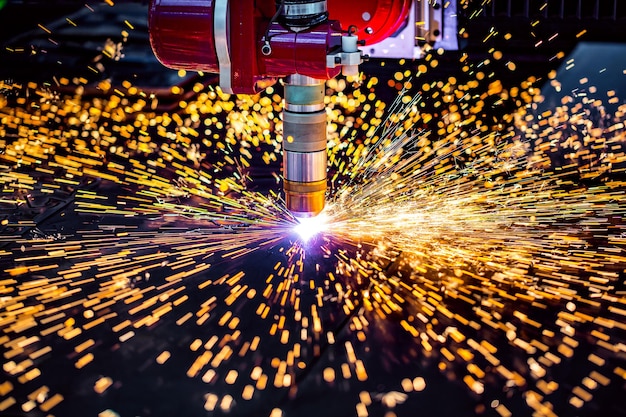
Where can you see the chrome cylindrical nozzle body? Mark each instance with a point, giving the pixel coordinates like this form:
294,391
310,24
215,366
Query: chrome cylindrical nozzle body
304,145
300,15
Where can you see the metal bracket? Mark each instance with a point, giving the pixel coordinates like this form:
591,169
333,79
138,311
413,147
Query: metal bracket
222,48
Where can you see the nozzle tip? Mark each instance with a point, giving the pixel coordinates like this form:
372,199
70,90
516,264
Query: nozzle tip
305,200
304,214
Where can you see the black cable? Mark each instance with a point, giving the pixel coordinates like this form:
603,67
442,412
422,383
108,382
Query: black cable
266,49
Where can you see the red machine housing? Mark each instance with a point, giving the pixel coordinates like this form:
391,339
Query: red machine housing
375,20
179,31
183,36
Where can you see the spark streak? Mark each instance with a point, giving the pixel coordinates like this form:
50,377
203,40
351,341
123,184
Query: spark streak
141,251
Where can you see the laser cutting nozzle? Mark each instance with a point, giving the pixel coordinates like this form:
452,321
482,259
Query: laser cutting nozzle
305,199
304,146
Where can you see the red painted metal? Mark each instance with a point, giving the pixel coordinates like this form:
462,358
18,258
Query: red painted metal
385,16
182,36
246,22
312,47
303,52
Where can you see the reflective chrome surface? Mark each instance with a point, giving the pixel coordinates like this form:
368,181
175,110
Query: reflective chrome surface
299,79
305,9
220,24
305,166
304,108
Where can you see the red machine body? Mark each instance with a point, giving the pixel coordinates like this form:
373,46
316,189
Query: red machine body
302,52
187,34
375,19
179,30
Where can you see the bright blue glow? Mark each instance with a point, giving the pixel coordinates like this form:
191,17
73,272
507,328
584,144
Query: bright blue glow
309,227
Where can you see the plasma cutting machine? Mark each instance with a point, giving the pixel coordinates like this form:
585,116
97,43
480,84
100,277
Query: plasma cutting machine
253,43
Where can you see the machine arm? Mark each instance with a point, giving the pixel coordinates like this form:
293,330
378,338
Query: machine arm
253,43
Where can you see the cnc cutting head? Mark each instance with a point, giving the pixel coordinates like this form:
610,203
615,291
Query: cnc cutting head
251,46
304,145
